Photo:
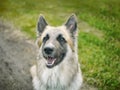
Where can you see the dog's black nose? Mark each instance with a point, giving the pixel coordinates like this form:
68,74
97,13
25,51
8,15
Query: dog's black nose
48,50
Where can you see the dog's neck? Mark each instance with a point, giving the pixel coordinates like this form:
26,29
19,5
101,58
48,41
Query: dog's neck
60,74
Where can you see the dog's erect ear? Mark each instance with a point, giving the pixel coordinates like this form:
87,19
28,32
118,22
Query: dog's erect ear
41,25
71,24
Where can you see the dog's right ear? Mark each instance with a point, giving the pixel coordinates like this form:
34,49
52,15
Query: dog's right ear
71,24
41,25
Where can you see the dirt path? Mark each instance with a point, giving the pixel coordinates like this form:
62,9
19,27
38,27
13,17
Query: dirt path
17,54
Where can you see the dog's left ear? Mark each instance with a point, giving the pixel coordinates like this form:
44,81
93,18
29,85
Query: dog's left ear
41,25
71,24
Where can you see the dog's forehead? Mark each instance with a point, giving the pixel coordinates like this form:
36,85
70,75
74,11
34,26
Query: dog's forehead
55,31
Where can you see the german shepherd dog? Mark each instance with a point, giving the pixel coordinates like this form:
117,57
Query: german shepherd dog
57,67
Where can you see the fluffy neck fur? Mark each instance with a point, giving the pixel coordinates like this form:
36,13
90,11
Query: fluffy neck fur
51,78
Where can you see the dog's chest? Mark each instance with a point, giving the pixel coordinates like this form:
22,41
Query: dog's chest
53,78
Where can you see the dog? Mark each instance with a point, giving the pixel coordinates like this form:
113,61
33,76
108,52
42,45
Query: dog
57,66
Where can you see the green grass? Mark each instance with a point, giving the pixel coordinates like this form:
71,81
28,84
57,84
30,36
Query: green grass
99,56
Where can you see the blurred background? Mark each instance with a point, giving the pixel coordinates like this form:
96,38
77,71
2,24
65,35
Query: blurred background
99,32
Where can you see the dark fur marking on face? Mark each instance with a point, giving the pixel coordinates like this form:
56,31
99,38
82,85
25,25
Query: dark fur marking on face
46,38
59,51
61,39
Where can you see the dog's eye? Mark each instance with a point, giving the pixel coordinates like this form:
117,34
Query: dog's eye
46,38
60,38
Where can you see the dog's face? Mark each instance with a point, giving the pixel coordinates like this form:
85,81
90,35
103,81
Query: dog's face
54,41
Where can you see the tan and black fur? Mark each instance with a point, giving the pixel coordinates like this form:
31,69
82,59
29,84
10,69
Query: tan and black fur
57,67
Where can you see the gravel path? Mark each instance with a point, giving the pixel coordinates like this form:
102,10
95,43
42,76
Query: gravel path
17,55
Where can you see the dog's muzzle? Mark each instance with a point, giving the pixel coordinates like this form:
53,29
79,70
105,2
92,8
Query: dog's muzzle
49,55
48,50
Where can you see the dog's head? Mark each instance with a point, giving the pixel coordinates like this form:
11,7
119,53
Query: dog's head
55,42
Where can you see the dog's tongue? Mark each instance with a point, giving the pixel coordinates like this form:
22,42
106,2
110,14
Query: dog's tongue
50,61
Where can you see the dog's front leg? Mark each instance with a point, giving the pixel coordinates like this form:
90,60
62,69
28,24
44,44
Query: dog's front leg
35,79
33,71
36,82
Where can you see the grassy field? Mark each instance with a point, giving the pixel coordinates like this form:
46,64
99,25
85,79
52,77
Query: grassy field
99,50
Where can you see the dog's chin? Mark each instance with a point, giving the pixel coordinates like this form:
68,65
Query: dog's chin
53,61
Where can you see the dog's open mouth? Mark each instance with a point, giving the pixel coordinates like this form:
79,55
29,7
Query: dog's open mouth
50,61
